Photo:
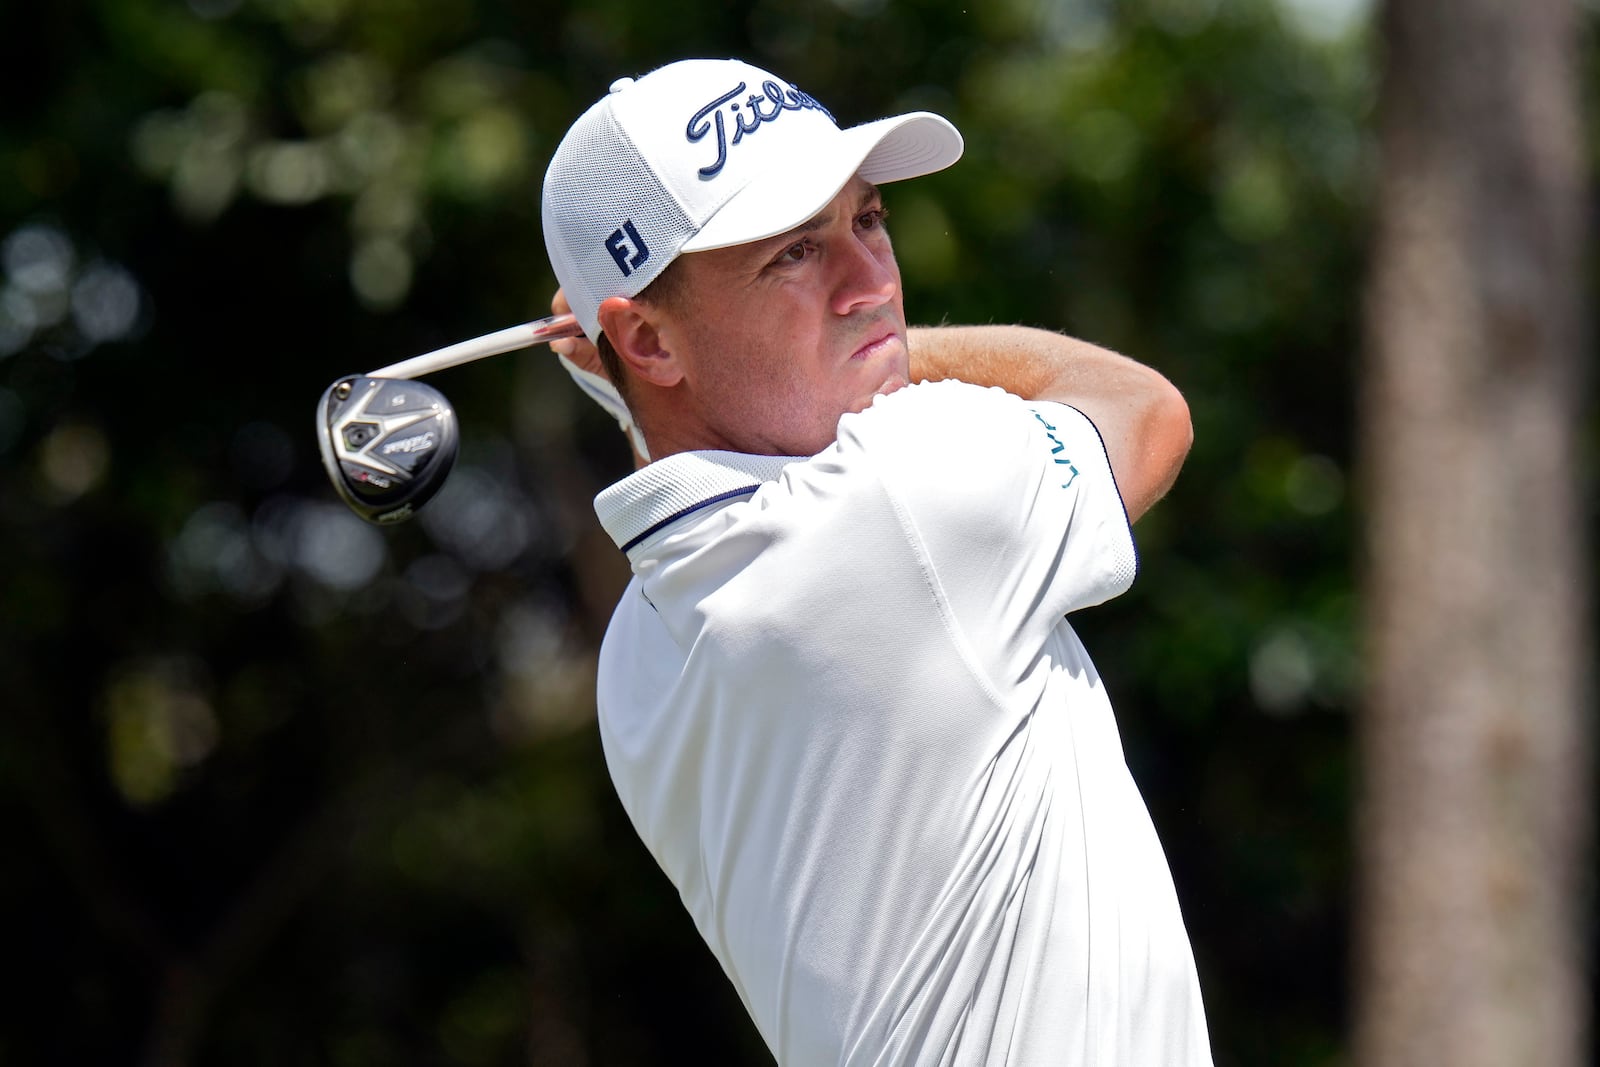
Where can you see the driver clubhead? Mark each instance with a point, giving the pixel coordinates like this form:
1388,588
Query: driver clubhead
387,444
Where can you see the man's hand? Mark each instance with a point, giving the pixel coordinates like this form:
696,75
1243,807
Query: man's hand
579,351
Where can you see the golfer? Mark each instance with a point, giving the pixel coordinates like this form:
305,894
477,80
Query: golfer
840,699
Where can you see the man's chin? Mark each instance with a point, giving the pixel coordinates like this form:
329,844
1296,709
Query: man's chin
891,384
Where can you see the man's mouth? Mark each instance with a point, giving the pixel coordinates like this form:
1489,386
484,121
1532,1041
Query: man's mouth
875,347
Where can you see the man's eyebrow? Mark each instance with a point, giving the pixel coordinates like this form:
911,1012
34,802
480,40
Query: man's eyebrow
825,217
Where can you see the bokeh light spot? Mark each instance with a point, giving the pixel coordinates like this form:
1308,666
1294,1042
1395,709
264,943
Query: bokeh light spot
38,259
73,459
105,303
289,172
381,270
1314,485
1282,671
483,519
336,548
17,320
160,723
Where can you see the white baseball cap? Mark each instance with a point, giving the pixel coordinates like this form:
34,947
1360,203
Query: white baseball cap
702,154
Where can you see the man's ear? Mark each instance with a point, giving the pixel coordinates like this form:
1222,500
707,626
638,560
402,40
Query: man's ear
631,327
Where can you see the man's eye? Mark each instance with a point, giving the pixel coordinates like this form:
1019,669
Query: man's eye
794,253
871,220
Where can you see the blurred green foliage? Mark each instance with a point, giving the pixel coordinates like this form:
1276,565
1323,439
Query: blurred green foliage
286,789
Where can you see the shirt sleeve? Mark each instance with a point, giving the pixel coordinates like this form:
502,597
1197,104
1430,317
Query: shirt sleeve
1012,502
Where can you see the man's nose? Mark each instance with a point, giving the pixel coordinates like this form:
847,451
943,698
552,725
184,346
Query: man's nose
867,276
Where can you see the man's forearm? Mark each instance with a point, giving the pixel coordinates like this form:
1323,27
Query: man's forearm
1142,418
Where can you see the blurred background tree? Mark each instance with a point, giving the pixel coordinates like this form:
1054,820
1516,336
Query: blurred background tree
285,788
1476,811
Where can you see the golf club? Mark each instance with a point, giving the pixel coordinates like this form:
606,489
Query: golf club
388,442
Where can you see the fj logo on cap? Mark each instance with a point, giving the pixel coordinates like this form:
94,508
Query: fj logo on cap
627,248
772,101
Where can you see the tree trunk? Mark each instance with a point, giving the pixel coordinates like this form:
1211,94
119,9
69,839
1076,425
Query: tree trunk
1476,806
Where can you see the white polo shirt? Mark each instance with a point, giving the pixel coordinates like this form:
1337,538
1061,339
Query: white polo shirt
842,707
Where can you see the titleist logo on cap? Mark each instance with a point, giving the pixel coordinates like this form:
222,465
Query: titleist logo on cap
746,118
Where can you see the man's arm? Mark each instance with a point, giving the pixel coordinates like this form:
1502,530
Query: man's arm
1142,418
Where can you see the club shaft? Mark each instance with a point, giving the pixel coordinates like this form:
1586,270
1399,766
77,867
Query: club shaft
490,344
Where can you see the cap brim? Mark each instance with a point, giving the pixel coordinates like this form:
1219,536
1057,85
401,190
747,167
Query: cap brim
888,150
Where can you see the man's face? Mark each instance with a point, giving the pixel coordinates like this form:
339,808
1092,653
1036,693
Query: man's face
778,338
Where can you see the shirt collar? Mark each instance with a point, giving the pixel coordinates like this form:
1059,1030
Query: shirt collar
678,485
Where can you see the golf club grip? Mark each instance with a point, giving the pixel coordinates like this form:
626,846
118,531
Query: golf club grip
490,344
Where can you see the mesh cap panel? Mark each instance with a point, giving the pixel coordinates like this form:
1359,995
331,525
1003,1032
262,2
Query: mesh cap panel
607,232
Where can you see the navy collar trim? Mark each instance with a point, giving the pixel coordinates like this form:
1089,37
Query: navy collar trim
649,500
